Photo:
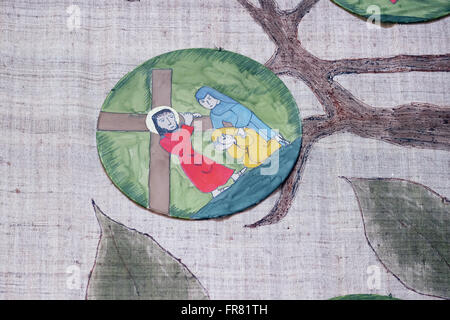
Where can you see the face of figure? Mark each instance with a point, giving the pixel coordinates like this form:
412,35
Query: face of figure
209,102
167,121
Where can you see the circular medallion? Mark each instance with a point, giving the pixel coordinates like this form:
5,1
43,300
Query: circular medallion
199,133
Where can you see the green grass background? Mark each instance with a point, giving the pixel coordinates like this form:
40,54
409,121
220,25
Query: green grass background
243,79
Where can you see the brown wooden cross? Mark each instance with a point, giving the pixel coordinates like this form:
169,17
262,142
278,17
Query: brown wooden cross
159,167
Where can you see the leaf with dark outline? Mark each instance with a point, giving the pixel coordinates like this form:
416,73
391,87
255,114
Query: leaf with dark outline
407,225
402,11
132,265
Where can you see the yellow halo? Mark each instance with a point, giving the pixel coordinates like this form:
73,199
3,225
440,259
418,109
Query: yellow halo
149,121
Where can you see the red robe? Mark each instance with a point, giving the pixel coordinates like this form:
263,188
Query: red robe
203,172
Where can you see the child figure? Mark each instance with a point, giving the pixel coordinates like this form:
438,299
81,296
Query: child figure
245,144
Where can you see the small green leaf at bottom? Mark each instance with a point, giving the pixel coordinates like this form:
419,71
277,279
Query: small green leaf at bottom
364,297
132,265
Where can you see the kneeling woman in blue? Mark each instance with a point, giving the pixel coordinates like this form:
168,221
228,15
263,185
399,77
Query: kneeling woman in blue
226,109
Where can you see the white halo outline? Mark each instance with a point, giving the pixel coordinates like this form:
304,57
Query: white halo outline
149,121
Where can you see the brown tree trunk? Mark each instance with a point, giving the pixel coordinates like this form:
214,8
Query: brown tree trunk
414,125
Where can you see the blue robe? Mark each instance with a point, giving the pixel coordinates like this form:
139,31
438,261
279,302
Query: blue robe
229,110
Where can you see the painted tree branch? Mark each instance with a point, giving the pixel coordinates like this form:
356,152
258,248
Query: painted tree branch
412,125
302,9
402,63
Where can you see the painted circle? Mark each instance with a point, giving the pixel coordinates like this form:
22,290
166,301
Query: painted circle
252,97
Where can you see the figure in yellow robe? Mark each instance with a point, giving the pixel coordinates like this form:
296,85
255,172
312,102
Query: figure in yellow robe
245,144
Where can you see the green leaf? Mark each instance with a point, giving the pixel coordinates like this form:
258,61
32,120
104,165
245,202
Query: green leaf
364,297
408,227
132,265
403,11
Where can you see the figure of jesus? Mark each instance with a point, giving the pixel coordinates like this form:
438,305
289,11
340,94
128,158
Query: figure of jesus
205,174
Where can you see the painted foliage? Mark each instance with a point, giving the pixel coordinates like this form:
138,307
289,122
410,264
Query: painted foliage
210,117
407,226
398,11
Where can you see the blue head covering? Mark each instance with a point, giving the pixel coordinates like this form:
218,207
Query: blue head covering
203,91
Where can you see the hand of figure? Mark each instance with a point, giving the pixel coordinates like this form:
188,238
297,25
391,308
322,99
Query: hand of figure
241,132
188,118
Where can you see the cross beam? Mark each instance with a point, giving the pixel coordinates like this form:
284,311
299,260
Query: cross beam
159,166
